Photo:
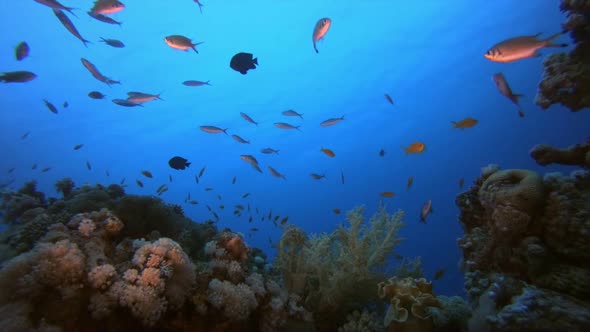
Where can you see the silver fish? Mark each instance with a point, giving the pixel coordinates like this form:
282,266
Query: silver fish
248,118
331,122
213,129
283,125
239,139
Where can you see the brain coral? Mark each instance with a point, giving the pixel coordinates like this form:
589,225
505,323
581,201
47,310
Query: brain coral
518,188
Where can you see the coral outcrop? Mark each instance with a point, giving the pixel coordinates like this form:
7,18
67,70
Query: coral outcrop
566,78
526,250
576,155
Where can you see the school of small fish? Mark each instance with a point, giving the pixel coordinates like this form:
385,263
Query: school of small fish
507,51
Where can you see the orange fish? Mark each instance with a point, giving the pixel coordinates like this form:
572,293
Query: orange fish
389,99
320,30
426,210
328,152
336,211
387,194
182,43
416,147
410,181
465,123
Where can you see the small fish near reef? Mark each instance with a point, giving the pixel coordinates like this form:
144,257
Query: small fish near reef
65,21
178,163
331,121
196,83
213,129
519,48
410,182
107,7
328,152
126,103
505,90
416,147
283,125
96,73
20,76
426,210
239,139
96,95
113,42
242,62
21,51
387,194
182,43
439,273
465,123
248,118
292,113
141,97
104,18
50,106
269,151
389,99
319,31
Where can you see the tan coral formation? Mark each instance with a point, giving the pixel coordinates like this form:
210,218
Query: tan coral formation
576,155
410,299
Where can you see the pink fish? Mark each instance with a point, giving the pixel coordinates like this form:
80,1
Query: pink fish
320,30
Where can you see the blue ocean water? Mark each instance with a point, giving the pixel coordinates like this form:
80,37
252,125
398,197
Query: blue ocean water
428,56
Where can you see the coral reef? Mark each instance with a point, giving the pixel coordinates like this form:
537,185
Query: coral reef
362,322
526,249
334,272
414,307
576,155
566,78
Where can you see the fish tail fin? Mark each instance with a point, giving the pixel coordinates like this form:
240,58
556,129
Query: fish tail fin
103,40
255,61
207,83
549,41
297,127
301,116
69,9
454,124
277,152
159,96
225,130
406,150
195,49
315,48
86,42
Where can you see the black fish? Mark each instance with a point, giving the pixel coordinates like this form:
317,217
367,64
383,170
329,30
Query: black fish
96,95
202,171
51,107
21,51
178,163
20,76
66,104
242,62
381,153
113,42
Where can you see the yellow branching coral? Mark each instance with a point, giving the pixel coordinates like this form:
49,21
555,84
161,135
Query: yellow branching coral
327,270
